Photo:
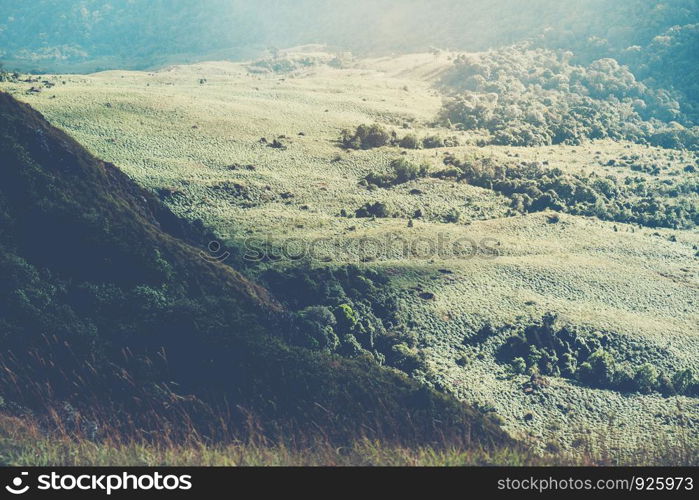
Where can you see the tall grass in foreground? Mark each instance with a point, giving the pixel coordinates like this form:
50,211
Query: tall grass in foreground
24,443
168,429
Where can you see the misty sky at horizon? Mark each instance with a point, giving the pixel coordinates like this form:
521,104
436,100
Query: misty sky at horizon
142,33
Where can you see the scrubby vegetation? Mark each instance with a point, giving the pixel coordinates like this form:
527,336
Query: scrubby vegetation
366,137
376,136
523,97
593,359
533,187
284,65
111,316
402,171
410,141
6,76
378,209
201,153
349,311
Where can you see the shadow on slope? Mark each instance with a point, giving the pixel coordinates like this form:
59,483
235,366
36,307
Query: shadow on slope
109,317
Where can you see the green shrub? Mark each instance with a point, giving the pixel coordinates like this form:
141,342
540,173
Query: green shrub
406,170
402,170
410,141
452,216
375,209
350,347
316,328
463,360
406,358
432,141
569,365
519,366
683,381
380,180
346,317
350,140
665,386
646,379
603,369
365,137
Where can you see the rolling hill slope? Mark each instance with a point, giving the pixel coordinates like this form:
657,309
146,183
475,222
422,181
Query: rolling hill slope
108,310
192,135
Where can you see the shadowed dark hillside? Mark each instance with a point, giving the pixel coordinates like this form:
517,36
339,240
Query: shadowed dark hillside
107,311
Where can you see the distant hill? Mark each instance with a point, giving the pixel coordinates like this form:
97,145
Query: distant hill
107,307
656,39
81,34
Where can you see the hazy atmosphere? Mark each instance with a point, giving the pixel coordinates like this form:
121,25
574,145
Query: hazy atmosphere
376,232
49,34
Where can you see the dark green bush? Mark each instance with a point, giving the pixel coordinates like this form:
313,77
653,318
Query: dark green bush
315,327
433,141
599,369
375,209
402,170
410,141
519,366
405,170
349,346
366,137
646,379
407,358
346,310
532,187
546,349
683,381
452,216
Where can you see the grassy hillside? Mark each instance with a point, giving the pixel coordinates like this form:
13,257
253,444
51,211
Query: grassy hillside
113,324
192,135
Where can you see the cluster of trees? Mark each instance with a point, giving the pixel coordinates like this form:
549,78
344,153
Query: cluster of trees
402,170
670,61
532,97
660,51
377,209
284,65
412,141
532,187
367,137
546,349
376,136
349,311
